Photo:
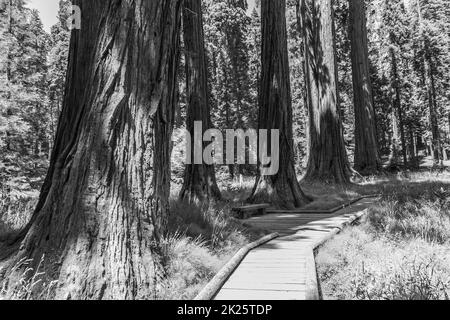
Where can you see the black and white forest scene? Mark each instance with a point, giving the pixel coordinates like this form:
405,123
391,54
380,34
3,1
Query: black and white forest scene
225,150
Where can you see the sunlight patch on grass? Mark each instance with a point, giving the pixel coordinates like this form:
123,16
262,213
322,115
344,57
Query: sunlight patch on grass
401,250
359,266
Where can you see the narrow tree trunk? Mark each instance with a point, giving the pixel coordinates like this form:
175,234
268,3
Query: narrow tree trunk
282,189
402,130
415,145
431,90
448,119
432,107
367,159
104,202
397,117
9,72
394,156
327,155
199,179
412,144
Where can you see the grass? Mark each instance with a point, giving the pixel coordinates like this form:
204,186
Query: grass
27,283
360,266
203,242
409,229
400,251
14,213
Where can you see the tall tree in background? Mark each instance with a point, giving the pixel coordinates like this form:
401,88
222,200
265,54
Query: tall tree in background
398,131
345,73
275,112
394,34
23,116
429,52
327,154
199,179
57,62
238,53
226,31
367,159
299,109
254,51
104,203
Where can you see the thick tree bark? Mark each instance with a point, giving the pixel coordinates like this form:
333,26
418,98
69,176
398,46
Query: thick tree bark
327,154
282,189
104,202
367,158
199,179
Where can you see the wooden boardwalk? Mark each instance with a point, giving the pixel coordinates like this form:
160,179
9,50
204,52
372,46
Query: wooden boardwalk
283,268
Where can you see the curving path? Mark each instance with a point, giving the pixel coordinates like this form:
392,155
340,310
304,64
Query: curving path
284,268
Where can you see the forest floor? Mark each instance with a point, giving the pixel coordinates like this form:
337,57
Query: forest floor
199,242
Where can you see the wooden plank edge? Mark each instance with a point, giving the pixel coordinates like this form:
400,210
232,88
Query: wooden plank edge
312,281
336,230
312,285
214,286
330,211
252,207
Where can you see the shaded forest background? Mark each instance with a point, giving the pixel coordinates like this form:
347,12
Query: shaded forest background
33,66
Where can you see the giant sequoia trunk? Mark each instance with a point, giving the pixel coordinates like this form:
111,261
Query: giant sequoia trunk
327,154
199,179
281,189
104,202
367,159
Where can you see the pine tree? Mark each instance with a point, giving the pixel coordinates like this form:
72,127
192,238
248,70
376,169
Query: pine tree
254,51
226,29
431,47
57,62
393,38
23,103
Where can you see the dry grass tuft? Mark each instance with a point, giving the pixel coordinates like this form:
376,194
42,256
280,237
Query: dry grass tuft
27,283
